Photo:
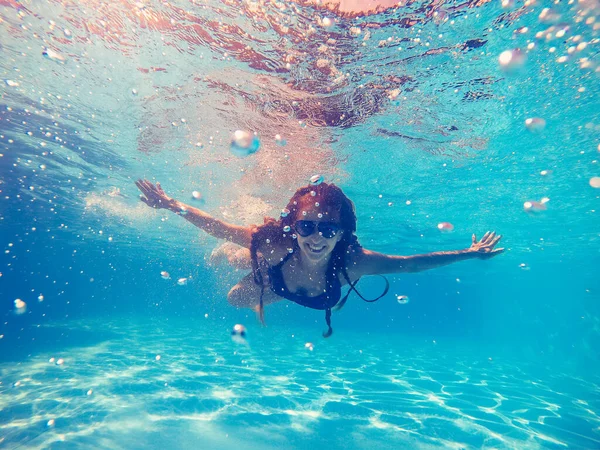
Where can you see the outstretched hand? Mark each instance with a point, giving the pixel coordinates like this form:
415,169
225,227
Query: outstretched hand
485,247
153,195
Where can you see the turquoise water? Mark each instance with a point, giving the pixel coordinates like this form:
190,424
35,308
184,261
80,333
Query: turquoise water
412,111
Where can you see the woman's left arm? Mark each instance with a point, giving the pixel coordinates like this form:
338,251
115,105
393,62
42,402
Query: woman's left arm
367,262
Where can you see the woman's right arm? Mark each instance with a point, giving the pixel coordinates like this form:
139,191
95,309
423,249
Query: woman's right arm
155,197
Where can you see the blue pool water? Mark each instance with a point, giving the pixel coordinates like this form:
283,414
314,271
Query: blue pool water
415,110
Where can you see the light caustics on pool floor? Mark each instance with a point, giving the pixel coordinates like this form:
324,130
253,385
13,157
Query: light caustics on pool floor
176,386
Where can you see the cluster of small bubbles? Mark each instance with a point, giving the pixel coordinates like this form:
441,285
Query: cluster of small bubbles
535,124
280,141
402,299
320,216
533,206
244,143
512,59
165,275
524,266
313,193
315,180
182,281
286,228
20,306
309,346
445,227
196,195
285,212
595,182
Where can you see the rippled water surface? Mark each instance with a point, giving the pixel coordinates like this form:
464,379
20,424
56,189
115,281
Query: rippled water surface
432,116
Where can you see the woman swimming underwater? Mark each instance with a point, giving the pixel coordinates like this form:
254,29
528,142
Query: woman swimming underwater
311,251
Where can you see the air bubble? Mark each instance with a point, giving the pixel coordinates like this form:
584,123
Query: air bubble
316,180
445,227
20,306
285,212
535,124
280,141
244,143
402,299
53,56
512,59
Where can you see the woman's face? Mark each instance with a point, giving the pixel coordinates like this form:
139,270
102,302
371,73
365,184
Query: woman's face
316,247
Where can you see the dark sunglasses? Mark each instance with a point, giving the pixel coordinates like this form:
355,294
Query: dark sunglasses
307,227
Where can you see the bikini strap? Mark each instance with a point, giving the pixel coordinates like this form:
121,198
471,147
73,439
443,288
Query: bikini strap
353,288
329,331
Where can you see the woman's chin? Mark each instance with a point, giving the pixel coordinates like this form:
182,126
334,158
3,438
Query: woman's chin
315,253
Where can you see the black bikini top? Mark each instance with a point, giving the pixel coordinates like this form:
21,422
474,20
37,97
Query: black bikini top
325,301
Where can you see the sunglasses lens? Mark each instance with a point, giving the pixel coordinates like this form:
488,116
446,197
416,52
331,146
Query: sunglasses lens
328,230
304,227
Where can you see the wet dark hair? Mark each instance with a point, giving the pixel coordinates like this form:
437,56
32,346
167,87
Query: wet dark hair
331,197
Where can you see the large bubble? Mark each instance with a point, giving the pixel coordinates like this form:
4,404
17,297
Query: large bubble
244,143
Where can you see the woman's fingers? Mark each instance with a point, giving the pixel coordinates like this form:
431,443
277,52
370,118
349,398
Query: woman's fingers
490,237
484,237
495,241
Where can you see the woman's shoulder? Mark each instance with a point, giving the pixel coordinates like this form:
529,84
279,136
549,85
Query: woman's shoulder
354,255
272,242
